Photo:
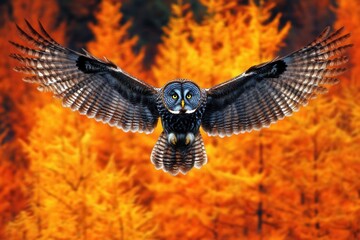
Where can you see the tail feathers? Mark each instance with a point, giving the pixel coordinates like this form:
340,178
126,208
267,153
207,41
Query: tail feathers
174,160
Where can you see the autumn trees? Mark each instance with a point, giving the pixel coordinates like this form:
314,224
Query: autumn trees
70,196
112,40
15,100
109,34
68,177
221,47
75,188
348,17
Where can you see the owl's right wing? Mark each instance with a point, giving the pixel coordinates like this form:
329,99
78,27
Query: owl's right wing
270,91
98,89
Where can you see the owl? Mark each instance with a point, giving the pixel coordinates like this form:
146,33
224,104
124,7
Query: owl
260,96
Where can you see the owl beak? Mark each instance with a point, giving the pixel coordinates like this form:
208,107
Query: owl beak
182,104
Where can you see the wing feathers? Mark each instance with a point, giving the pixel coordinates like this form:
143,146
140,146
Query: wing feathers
333,52
98,89
38,41
44,33
269,92
322,36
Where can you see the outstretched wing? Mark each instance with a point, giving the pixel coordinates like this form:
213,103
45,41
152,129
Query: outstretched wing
270,91
98,89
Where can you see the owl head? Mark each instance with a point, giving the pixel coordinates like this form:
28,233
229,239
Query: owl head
181,96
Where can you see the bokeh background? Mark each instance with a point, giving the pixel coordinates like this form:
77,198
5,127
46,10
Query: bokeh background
63,176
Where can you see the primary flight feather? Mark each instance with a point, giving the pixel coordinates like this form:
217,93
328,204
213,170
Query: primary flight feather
255,99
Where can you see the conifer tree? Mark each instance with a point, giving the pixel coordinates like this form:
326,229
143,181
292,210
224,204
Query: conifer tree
71,197
16,93
311,171
348,16
13,197
16,98
113,41
176,56
232,38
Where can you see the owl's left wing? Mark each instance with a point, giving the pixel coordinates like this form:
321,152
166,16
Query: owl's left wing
270,91
96,88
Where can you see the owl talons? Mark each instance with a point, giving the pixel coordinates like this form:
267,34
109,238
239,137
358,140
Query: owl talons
172,139
189,138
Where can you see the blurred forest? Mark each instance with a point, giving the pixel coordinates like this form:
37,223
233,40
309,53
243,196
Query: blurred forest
63,176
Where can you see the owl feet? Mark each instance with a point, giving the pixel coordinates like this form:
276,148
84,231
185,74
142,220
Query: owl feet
181,138
172,139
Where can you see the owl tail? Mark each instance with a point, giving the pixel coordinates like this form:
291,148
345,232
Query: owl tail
173,159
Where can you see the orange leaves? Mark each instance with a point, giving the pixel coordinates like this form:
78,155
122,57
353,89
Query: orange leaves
112,40
298,179
16,100
12,192
222,46
71,196
313,164
176,56
14,91
348,15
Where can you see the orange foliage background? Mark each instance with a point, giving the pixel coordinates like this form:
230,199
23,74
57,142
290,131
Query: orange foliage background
63,176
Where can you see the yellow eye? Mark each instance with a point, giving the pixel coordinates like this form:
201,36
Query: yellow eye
175,96
188,96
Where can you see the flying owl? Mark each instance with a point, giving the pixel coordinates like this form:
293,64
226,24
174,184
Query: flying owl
260,96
